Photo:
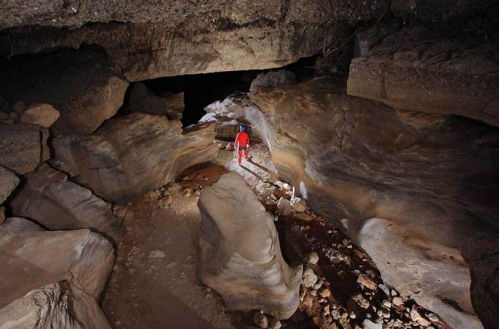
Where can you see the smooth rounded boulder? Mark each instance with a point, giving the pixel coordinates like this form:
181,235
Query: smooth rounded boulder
240,254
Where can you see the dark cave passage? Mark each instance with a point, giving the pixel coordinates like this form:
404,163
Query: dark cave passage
200,90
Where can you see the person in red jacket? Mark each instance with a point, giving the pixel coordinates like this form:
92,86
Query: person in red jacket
241,144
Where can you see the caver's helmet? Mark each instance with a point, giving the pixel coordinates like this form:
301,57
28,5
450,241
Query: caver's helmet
242,128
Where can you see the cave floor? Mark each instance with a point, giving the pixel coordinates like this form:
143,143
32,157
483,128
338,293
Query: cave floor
154,283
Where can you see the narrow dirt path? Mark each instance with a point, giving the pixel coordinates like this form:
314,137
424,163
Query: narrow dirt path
154,283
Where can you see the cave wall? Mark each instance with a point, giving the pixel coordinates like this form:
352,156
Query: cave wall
425,183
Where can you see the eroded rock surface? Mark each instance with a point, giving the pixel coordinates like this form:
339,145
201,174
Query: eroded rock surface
130,155
58,204
432,177
421,71
43,115
183,37
22,147
240,254
34,261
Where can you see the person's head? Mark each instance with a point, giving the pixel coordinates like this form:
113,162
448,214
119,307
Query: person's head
242,128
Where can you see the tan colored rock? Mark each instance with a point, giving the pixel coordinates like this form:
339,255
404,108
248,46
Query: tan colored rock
374,161
43,115
240,254
49,198
22,147
53,306
80,261
183,37
8,182
419,71
133,154
366,282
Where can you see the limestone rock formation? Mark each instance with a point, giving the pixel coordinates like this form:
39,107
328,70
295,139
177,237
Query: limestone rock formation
421,71
183,37
43,115
355,160
8,182
80,84
438,270
42,266
22,147
58,204
131,155
240,254
143,100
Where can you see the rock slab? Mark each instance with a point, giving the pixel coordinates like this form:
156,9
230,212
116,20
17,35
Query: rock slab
58,204
52,277
22,147
131,155
240,254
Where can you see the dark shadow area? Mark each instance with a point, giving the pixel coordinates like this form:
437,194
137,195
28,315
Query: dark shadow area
201,90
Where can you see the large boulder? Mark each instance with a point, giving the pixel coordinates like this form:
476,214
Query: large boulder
22,147
432,177
8,182
80,84
240,254
41,266
421,71
130,155
58,204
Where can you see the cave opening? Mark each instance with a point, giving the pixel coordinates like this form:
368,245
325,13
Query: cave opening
199,90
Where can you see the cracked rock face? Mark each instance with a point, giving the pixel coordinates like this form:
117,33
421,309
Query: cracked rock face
131,155
60,274
58,204
240,254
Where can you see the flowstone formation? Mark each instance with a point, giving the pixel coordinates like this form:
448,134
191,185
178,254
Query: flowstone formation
240,254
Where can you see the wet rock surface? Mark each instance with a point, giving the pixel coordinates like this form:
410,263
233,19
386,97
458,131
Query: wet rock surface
130,155
58,204
240,254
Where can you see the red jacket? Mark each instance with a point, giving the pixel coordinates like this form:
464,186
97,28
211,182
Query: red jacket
242,140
